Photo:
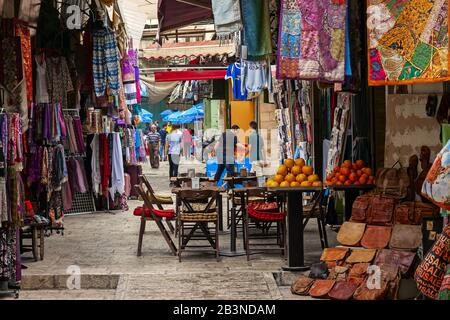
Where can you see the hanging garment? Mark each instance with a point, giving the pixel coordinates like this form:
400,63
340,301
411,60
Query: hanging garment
15,149
77,127
67,198
227,17
58,80
23,32
234,73
256,21
117,174
95,164
59,174
105,62
4,132
255,76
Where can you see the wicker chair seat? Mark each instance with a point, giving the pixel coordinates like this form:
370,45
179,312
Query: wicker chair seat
198,217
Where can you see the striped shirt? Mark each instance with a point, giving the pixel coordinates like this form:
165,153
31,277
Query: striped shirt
153,137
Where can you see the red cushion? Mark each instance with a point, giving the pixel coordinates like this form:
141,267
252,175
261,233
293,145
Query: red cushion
169,213
265,215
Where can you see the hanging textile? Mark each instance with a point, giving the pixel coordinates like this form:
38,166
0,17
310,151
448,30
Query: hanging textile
23,32
58,80
129,77
105,62
227,17
312,40
274,6
408,41
256,21
117,174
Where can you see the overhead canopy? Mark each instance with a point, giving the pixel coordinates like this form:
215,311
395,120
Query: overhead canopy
158,91
188,49
174,14
167,76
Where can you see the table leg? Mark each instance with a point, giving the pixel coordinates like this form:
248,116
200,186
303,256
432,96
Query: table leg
34,243
42,243
295,233
220,208
233,252
350,197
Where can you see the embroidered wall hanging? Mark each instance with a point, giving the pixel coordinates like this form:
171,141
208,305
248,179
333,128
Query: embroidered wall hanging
408,41
311,42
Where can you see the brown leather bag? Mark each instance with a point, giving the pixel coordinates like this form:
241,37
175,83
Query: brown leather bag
391,275
361,208
302,285
351,233
382,212
321,288
376,237
412,212
338,273
406,237
358,270
343,290
402,259
361,255
393,182
334,256
364,293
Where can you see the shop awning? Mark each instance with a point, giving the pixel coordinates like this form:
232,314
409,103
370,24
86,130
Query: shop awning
174,14
166,76
188,50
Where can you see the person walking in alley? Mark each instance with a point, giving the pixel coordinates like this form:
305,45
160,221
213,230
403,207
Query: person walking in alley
163,134
256,149
187,143
225,150
154,140
173,149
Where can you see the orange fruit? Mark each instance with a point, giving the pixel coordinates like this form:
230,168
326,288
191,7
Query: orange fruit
357,183
337,169
313,177
342,178
339,183
289,163
347,164
308,170
359,164
275,184
330,176
306,184
295,184
334,180
282,170
367,171
317,184
296,170
359,173
285,184
278,178
354,166
300,162
348,182
353,177
269,182
362,180
289,178
301,177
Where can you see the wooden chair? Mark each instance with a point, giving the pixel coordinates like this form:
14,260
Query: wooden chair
157,199
316,208
198,210
35,232
150,213
264,221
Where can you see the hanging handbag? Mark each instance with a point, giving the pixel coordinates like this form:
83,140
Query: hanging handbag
430,273
393,182
361,208
412,212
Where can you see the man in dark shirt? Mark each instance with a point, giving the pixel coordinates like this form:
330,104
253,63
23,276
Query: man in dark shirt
163,134
154,140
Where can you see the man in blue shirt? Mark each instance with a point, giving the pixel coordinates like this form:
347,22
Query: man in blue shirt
163,133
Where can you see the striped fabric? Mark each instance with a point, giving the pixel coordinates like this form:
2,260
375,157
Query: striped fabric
105,62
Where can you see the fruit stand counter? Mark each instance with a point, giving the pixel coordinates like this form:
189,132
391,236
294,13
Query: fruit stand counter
350,193
296,254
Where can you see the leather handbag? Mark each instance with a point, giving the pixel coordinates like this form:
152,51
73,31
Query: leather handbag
343,290
393,182
359,270
338,273
431,271
376,237
361,208
402,259
321,288
334,256
406,237
351,233
361,256
382,212
302,285
412,212
364,293
391,275
319,271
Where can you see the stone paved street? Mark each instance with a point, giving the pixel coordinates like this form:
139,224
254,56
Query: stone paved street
103,246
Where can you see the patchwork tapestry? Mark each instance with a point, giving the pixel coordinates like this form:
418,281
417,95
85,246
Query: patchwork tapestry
311,42
408,41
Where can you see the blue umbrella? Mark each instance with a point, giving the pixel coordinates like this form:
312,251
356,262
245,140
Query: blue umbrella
174,117
194,113
166,113
146,116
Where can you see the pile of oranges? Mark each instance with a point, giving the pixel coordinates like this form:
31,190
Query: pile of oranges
294,173
350,173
